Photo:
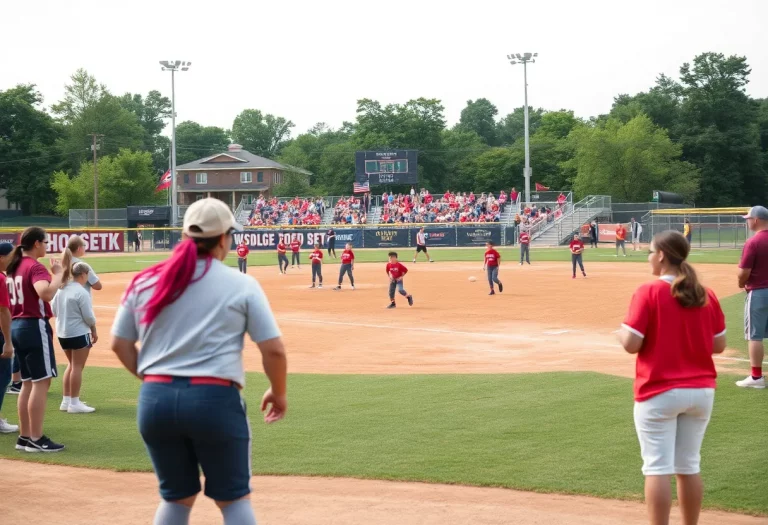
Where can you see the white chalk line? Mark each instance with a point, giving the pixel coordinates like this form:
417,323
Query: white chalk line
514,337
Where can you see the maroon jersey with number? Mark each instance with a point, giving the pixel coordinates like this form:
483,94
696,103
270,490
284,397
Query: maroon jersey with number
25,303
347,257
396,270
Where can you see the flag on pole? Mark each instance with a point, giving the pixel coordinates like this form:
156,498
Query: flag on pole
541,187
165,182
361,187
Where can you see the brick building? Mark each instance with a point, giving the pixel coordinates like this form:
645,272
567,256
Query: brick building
230,176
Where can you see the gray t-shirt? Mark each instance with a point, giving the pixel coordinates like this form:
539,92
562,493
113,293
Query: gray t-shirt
202,333
73,310
92,277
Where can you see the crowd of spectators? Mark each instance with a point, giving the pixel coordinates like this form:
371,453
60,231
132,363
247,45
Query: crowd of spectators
351,210
449,207
270,212
530,216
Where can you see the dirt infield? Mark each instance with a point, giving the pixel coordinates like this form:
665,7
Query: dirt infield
543,321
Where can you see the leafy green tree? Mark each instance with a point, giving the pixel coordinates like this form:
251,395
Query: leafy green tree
28,150
480,117
194,141
499,169
512,127
294,183
462,148
661,103
317,151
629,161
151,112
260,134
126,179
82,93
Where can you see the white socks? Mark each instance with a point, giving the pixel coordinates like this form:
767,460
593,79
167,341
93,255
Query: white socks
75,401
67,400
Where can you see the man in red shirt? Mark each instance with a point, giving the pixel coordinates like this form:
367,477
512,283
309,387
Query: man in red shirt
6,357
281,257
242,257
396,271
753,277
577,249
525,246
317,265
347,265
295,246
621,237
491,265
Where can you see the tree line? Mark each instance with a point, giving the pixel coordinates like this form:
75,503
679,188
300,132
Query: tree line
700,135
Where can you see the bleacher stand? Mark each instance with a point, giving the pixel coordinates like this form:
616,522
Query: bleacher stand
451,207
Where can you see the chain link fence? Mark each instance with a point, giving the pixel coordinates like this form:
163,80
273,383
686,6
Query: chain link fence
707,230
108,218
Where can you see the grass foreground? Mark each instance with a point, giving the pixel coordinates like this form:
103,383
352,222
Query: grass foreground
565,432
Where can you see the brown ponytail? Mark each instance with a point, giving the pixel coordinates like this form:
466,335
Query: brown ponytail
74,244
686,288
29,237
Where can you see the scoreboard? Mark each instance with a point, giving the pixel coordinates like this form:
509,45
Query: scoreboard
387,167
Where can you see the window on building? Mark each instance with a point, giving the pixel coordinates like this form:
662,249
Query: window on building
199,197
260,177
246,177
202,178
186,178
277,178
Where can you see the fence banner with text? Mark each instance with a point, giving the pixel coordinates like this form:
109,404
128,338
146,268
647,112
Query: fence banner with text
436,236
605,232
268,239
95,241
386,237
477,236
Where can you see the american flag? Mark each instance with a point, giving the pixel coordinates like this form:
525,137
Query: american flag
361,187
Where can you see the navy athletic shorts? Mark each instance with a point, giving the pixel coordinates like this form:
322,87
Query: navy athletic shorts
75,343
210,430
33,341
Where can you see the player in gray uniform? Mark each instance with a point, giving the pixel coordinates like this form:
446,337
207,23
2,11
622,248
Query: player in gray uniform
191,313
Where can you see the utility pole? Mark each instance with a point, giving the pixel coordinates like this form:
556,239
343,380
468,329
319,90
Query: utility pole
94,148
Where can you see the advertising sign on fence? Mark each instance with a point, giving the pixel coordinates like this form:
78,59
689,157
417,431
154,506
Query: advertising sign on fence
268,239
12,238
436,236
386,237
95,241
605,232
510,235
478,236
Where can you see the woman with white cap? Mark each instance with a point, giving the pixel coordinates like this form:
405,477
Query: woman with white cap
191,313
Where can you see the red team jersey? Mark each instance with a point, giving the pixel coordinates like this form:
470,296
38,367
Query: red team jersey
347,257
242,251
621,233
396,270
577,244
492,258
677,341
5,300
524,238
316,257
25,303
281,247
295,245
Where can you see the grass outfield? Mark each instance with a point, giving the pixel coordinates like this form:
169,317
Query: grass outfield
139,261
561,432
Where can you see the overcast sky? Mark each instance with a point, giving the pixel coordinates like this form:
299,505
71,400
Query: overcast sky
310,61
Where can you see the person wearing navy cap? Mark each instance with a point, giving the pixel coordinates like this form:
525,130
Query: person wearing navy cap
7,357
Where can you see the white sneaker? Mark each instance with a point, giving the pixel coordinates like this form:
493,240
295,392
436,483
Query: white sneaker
7,428
64,406
80,408
750,382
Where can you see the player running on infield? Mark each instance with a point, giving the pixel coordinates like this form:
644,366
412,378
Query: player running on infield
577,250
281,257
347,265
396,271
316,257
421,245
491,265
242,257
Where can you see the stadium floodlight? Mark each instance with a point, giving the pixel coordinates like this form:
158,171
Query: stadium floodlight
173,66
525,59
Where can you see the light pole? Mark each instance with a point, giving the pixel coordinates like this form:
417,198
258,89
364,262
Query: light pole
173,66
525,59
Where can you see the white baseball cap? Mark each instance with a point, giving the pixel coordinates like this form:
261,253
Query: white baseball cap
208,218
757,212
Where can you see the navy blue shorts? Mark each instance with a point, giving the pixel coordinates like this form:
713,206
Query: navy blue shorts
75,343
187,427
33,342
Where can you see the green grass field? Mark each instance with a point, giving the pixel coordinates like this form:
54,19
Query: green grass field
563,432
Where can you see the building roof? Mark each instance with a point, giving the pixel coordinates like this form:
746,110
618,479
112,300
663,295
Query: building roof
236,158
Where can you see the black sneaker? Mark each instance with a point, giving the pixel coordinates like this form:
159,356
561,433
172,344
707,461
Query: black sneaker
410,300
44,444
391,305
492,293
337,288
15,389
21,443
312,286
501,287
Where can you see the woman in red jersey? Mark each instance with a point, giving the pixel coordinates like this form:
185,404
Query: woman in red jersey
674,325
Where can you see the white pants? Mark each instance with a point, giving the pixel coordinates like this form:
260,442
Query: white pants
671,427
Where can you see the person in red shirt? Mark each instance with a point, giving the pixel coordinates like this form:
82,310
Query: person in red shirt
295,247
6,357
396,271
347,265
621,237
281,257
31,289
674,325
491,265
525,247
316,257
242,257
753,277
577,250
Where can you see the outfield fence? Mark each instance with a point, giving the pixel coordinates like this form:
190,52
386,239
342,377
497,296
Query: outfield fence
711,227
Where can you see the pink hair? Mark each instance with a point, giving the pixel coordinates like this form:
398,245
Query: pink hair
174,275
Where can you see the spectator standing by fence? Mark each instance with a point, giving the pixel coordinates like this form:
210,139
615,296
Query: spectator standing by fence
331,240
687,230
525,247
593,234
636,229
